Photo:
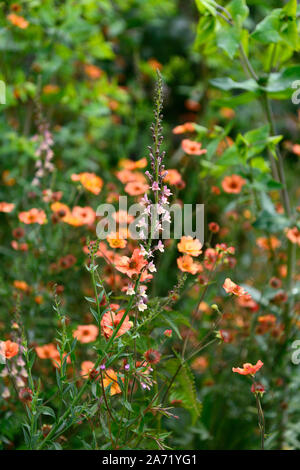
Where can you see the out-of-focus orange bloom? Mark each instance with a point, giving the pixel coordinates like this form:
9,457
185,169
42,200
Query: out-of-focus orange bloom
200,364
227,113
86,333
231,288
224,144
233,184
128,176
189,246
136,188
293,234
192,105
39,299
173,177
62,210
183,128
86,368
80,216
33,216
248,369
131,266
192,148
22,285
186,264
122,217
268,243
8,349
89,181
111,379
296,149
18,21
111,320
7,180
92,71
47,351
154,64
115,241
50,89
132,165
6,207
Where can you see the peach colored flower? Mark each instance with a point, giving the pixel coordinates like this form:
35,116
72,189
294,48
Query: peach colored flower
84,215
131,266
231,288
89,181
33,216
192,148
293,234
111,320
133,165
111,379
18,21
116,241
86,333
268,243
86,368
233,184
49,351
183,128
50,89
189,246
136,188
22,285
173,177
186,264
92,71
248,369
8,349
6,207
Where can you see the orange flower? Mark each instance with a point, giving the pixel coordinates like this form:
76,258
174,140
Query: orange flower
231,288
136,188
111,379
22,285
173,177
86,368
115,241
186,264
6,207
47,351
8,349
192,148
133,165
86,333
248,369
233,184
183,128
189,246
131,266
268,243
62,210
50,89
111,320
80,216
33,216
92,71
293,234
89,181
18,21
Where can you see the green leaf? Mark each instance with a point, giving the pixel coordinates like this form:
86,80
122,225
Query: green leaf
207,6
267,31
239,11
228,39
227,84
